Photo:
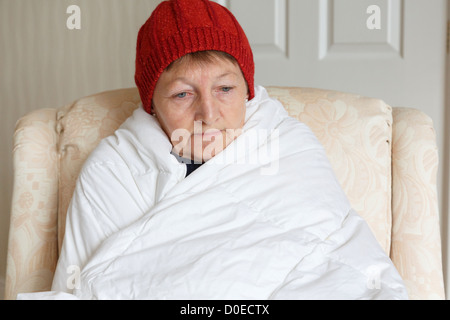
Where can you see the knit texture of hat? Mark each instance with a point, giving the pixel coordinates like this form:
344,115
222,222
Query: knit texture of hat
178,27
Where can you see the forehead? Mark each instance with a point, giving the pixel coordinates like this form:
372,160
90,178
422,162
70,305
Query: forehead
189,62
203,57
189,68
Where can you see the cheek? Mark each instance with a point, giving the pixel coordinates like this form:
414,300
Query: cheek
236,116
171,121
177,129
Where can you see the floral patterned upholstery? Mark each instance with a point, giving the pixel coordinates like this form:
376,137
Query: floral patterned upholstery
385,158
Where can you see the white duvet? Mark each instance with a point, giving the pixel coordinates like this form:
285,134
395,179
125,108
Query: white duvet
264,219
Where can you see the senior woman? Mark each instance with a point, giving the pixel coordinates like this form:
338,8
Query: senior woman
210,190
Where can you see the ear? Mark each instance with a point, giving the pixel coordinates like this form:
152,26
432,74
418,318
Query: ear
152,112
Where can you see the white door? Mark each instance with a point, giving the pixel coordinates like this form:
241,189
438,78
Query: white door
388,49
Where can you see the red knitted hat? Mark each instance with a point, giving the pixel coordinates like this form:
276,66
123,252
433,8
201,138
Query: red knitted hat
179,27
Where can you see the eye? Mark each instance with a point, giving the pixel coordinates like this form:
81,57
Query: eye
226,89
181,95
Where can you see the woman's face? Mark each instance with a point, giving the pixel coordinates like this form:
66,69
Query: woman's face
201,106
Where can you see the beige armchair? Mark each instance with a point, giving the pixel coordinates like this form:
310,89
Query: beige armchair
385,158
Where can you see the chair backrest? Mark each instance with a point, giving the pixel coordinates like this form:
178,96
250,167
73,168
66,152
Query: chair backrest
369,146
356,132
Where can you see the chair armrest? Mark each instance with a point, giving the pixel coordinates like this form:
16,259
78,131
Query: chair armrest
416,243
33,248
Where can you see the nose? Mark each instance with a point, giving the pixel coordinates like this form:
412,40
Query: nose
207,109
